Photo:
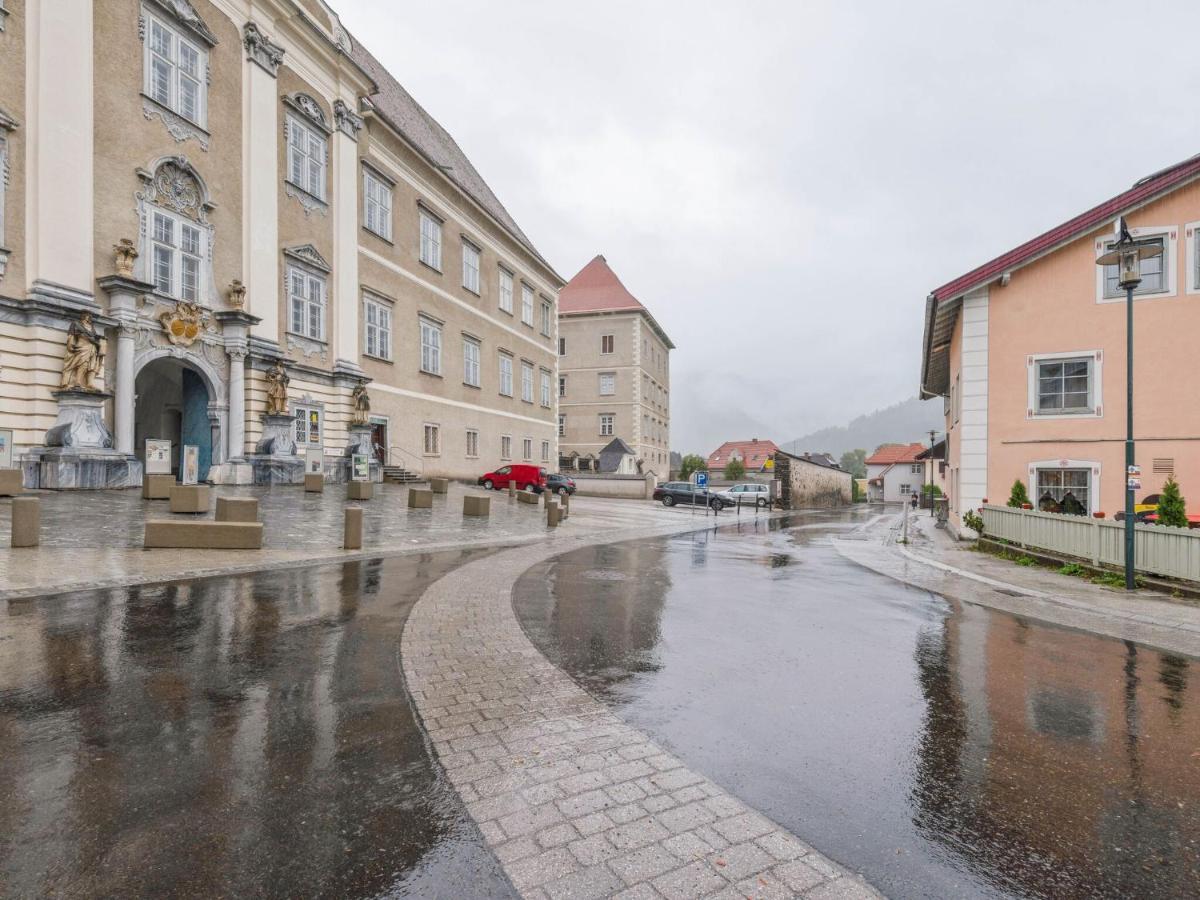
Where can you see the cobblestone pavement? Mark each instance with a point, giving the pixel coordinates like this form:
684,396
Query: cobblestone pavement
575,803
935,561
94,539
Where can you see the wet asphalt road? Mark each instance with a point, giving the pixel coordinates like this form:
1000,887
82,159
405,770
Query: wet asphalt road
243,736
942,750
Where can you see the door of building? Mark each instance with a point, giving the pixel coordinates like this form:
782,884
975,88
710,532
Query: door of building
379,444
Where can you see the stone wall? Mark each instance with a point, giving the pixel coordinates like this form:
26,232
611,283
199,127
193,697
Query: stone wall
804,484
626,487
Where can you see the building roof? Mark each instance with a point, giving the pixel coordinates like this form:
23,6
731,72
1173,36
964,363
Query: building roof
597,289
937,451
616,445
753,453
897,453
825,460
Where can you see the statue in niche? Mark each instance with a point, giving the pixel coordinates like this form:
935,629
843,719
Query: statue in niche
362,405
84,359
277,390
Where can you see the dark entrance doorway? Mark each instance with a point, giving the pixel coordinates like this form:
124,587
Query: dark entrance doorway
379,444
171,403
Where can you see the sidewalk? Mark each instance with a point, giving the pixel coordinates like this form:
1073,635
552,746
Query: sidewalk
934,561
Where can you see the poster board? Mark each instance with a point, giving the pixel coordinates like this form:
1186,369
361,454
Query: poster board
158,456
190,469
6,448
360,467
314,461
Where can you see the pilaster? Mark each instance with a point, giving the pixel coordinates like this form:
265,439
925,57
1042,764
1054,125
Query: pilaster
345,235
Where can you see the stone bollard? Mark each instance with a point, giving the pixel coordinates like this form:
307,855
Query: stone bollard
26,521
474,505
157,487
439,485
314,482
359,490
512,489
352,534
237,509
527,497
10,482
420,499
565,512
552,514
189,498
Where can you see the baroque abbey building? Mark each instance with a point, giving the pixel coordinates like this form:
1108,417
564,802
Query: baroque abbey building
199,195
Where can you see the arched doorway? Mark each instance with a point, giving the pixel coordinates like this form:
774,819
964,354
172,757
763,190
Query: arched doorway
171,402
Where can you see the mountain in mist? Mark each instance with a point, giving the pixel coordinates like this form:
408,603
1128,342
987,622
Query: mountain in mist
904,423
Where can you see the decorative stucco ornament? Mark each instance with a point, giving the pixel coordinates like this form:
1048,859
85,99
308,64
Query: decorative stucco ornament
125,253
176,187
184,323
237,294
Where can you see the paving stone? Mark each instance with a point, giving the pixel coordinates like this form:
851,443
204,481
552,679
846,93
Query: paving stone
541,868
710,837
659,803
584,781
626,813
783,846
742,860
585,803
557,835
641,891
696,880
743,827
637,834
688,846
588,825
530,820
624,793
844,888
628,771
685,818
642,864
589,884
763,886
593,850
798,875
515,849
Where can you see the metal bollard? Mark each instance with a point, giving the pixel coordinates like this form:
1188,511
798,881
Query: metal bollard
353,532
26,521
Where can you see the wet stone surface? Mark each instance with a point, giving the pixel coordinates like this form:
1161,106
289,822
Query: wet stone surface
942,749
241,736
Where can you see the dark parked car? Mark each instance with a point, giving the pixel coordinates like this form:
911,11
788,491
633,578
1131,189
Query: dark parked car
685,493
560,484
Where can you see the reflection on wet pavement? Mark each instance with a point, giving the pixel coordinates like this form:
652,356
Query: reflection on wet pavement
941,750
237,736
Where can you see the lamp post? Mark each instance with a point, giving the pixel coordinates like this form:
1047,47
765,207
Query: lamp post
932,463
1127,255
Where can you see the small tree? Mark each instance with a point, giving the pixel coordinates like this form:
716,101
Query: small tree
734,469
855,462
1171,508
1018,497
693,462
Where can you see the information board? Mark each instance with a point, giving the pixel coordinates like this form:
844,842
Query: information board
360,467
190,468
158,456
314,461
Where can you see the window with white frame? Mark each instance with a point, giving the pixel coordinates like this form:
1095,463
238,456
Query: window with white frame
527,449
506,290
562,385
545,451
527,304
606,343
606,424
526,382
506,375
472,443
377,205
506,446
175,71
546,395
1064,385
308,425
306,152
471,362
1154,269
546,311
562,424
178,253
431,347
1063,490
470,261
306,303
433,439
917,469
608,384
377,319
431,240
905,490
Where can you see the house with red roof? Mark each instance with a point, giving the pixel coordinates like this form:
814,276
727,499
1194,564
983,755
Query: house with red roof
1027,353
895,471
756,456
614,374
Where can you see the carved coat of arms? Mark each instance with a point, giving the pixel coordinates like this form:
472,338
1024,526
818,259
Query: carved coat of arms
184,323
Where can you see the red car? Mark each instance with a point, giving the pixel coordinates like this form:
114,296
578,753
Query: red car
524,478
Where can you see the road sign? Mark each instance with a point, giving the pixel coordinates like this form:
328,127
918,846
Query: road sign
1134,484
702,479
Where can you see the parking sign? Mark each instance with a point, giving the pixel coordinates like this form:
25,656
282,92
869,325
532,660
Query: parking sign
702,479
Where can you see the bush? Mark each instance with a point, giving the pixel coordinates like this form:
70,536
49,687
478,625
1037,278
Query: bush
735,469
974,521
1171,508
1073,569
1018,496
931,490
693,462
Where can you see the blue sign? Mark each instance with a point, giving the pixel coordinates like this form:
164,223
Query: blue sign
702,479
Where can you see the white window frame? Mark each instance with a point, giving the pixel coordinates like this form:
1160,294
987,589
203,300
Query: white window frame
1093,483
431,439
506,290
305,410
312,158
471,256
377,327
431,239
1169,234
545,451
308,300
377,204
1192,249
177,76
506,375
472,443
562,386
172,249
547,309
612,383
472,353
526,305
547,395
610,341
506,446
527,449
608,423
431,346
526,382
1096,385
562,424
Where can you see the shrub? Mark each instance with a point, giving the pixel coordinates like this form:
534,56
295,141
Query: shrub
1018,496
1026,561
974,521
734,469
1171,508
931,490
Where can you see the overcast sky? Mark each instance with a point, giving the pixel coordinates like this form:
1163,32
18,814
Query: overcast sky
782,184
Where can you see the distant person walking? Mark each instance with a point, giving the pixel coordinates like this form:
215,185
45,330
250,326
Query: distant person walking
914,500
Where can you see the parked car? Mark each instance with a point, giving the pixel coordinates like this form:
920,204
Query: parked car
685,493
524,478
560,484
754,494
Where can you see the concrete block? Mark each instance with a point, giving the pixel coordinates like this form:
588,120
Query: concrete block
527,497
439,485
10,482
205,534
190,498
157,487
474,505
512,489
26,521
420,499
565,502
552,514
352,531
359,490
314,483
237,509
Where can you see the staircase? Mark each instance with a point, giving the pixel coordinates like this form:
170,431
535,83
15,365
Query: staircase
400,475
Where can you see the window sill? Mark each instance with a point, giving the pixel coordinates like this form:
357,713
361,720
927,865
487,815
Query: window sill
509,396
1086,414
382,359
374,233
474,387
1156,295
507,312
305,337
475,294
431,268
430,374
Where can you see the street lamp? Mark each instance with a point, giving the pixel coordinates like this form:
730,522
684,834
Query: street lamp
1127,255
932,463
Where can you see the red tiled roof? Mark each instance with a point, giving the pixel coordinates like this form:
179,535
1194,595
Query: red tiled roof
754,453
596,288
902,453
1142,191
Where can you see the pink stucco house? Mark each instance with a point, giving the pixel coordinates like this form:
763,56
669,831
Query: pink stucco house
1027,352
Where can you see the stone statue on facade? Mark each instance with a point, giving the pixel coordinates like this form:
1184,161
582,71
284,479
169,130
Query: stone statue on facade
277,390
362,405
84,359
125,254
237,294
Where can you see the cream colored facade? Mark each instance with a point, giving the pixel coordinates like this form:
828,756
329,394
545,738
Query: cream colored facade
636,357
255,141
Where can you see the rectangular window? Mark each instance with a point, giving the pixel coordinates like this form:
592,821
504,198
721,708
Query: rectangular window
377,317
527,382
506,446
471,362
562,346
308,425
176,258
175,71
470,259
606,343
431,347
306,301
1153,270
506,375
545,451
546,396
562,385
527,304
562,424
1064,386
306,151
1064,491
377,205
506,290
546,309
608,384
431,241
472,443
527,449
606,424
433,440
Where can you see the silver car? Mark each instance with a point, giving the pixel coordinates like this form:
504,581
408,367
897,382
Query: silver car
749,494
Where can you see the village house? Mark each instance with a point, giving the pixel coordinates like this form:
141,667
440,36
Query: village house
1028,353
895,472
757,457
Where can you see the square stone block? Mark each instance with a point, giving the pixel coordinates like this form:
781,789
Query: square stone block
314,483
10,482
527,497
439,485
157,487
202,535
474,505
552,514
420,499
26,521
359,490
190,498
352,530
237,509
